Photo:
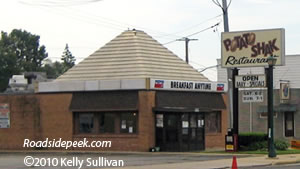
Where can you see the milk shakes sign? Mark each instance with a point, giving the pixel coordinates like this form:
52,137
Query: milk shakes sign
252,48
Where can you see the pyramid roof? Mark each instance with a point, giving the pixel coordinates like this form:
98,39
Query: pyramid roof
132,55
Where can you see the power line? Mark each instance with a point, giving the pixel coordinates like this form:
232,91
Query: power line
57,3
120,24
194,33
184,30
203,30
103,21
209,67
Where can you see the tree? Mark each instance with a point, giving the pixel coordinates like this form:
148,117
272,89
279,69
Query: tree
20,51
68,59
53,70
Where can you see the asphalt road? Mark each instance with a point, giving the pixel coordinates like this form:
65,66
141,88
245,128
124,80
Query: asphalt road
16,160
290,166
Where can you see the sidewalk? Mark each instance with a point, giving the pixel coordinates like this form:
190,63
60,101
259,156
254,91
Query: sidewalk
257,160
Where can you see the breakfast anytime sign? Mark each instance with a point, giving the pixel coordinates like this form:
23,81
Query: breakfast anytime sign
252,48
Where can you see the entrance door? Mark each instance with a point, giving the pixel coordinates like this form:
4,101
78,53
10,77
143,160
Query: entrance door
289,124
180,131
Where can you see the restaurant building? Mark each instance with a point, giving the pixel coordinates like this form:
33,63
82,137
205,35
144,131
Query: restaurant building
133,92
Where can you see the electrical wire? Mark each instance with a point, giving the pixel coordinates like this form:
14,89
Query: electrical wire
195,33
57,3
209,67
103,20
219,4
190,27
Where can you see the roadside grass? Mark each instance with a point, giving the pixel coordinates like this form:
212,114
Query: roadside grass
263,152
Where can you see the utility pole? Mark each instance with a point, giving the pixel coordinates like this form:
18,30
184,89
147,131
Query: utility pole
233,92
187,40
225,16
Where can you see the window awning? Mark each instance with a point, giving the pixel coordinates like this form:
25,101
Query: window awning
104,101
279,108
188,101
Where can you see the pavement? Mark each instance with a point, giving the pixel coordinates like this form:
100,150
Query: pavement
206,160
252,161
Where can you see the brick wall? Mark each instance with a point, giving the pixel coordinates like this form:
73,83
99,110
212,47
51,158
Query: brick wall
56,119
40,116
142,141
24,121
217,140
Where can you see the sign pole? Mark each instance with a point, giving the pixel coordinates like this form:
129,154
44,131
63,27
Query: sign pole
271,147
235,104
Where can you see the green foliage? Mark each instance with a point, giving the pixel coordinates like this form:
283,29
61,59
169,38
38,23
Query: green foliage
261,145
281,145
68,59
20,51
53,70
259,141
245,139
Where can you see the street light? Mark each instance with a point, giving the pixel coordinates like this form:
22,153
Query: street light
271,147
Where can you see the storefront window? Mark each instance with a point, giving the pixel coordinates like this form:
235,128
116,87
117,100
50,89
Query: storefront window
86,122
213,122
128,122
105,122
289,124
159,120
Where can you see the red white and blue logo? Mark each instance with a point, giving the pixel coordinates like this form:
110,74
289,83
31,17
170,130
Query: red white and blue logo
220,87
159,84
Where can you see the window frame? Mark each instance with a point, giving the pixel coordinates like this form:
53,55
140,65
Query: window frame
289,133
218,122
97,116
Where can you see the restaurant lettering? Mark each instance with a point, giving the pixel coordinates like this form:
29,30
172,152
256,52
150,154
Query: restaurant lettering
159,84
190,85
252,48
250,81
248,39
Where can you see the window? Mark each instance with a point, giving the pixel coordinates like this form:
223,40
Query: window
213,122
86,122
265,115
289,124
128,122
105,122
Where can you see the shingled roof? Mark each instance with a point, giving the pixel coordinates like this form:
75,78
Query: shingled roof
132,55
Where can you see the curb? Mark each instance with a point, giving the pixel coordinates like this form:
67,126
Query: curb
286,162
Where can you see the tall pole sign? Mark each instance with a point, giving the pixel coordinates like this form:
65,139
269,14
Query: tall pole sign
252,48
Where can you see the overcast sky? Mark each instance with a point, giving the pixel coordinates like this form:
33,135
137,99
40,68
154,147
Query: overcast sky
87,25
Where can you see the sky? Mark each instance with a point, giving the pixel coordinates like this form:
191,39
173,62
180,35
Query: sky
87,25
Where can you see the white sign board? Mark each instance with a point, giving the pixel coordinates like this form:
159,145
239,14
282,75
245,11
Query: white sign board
250,81
4,123
4,115
252,48
187,85
252,96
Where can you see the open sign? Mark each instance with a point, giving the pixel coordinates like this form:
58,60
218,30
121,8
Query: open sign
250,81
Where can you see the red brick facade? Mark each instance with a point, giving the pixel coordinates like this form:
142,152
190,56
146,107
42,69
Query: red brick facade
217,141
40,116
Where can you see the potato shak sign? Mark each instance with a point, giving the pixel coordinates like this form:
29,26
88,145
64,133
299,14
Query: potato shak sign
250,81
252,48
